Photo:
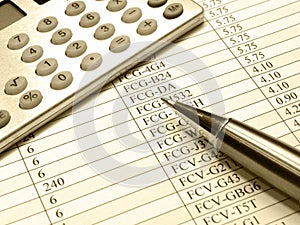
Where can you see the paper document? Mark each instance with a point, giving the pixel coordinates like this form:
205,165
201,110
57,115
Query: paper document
124,157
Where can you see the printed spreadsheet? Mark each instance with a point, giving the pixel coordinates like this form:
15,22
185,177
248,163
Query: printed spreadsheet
123,157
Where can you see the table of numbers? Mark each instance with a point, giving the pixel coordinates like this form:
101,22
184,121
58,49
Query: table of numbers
123,157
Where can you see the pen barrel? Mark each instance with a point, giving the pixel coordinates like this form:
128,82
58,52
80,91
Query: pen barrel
274,161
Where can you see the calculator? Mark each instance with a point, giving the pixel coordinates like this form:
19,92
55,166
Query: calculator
48,47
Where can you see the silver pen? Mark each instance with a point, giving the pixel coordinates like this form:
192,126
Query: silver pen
269,158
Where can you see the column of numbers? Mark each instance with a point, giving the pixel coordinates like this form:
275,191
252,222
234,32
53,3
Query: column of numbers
39,173
260,45
20,202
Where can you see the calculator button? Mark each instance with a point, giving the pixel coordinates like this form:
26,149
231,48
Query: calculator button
132,15
30,99
116,5
61,36
147,27
104,31
76,48
119,44
46,67
91,62
75,8
15,85
89,19
32,53
156,3
61,80
40,2
18,41
173,11
4,118
47,24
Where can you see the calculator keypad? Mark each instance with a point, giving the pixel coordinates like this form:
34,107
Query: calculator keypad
82,37
18,41
77,48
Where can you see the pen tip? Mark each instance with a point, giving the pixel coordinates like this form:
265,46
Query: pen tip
209,121
169,103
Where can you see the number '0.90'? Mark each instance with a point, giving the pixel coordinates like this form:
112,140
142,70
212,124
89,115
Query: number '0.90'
286,98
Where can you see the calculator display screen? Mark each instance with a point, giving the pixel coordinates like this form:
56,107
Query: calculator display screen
9,13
